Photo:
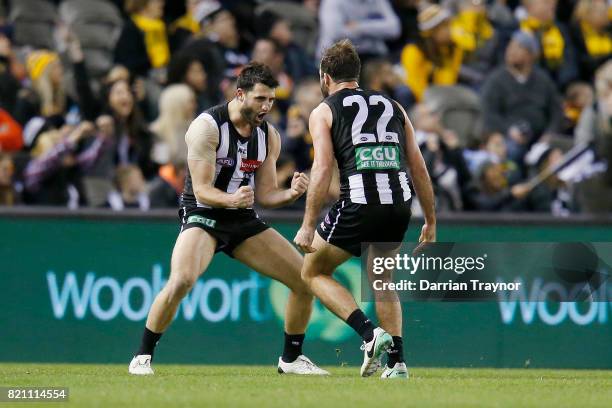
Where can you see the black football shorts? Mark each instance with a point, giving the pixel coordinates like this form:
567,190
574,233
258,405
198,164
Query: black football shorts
348,225
229,227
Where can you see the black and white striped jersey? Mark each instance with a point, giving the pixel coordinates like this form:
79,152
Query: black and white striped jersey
238,157
370,146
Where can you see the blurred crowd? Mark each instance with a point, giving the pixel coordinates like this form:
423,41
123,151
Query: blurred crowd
511,100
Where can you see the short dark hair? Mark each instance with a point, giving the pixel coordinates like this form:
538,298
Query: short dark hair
179,65
341,62
255,73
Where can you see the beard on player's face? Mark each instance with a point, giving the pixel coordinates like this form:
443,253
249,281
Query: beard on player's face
252,116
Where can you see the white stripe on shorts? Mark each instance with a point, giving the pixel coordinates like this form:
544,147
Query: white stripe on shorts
335,222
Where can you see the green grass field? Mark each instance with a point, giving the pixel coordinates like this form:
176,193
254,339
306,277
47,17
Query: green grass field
257,386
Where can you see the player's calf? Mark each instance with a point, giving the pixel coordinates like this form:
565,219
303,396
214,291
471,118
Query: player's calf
162,311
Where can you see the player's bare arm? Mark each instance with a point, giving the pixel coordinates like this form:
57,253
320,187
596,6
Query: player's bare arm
202,139
321,174
268,194
422,182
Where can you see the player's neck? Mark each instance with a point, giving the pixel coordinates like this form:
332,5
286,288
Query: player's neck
335,87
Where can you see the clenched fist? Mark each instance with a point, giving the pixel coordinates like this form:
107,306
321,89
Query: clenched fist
244,197
299,184
303,240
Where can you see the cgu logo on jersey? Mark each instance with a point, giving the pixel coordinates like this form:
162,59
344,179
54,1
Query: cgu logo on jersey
377,157
249,166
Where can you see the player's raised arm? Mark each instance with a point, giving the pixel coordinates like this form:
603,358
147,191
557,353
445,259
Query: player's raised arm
202,139
421,181
321,174
268,194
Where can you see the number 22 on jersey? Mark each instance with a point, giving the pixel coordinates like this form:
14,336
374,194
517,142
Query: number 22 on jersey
378,157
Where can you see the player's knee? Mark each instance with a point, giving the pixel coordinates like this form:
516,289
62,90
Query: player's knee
307,275
300,288
179,286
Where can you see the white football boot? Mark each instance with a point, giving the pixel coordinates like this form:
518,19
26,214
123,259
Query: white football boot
141,365
399,370
373,351
301,366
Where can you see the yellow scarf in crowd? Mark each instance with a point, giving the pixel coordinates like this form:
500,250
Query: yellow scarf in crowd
186,22
421,72
597,44
551,39
156,40
470,30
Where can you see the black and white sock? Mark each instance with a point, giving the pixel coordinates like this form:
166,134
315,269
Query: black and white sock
396,353
361,324
293,347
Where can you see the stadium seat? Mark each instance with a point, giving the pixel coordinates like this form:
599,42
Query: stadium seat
97,24
460,110
34,22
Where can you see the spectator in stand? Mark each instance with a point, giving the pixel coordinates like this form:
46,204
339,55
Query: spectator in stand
59,158
47,96
217,44
138,87
187,69
472,31
551,195
407,12
298,141
497,151
8,195
578,96
367,23
131,190
89,105
492,191
298,63
166,189
9,85
177,107
519,100
143,43
434,59
269,52
11,138
591,34
443,157
557,55
131,142
379,75
595,127
185,27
